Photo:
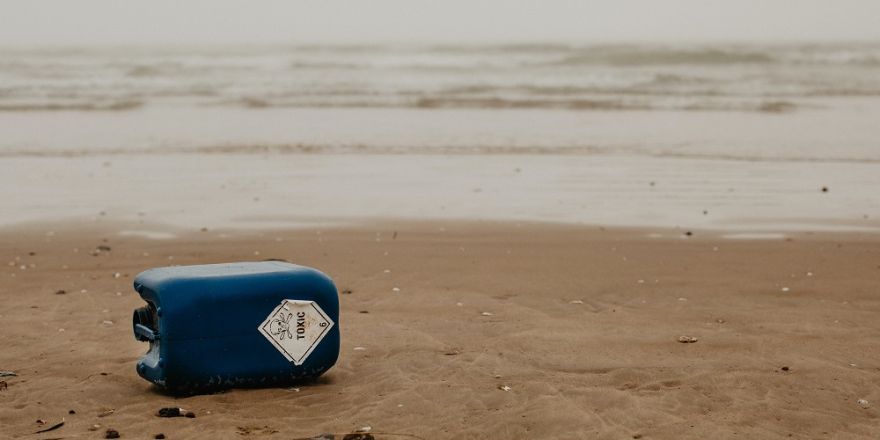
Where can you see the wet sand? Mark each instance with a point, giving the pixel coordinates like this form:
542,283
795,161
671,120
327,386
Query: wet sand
269,189
581,323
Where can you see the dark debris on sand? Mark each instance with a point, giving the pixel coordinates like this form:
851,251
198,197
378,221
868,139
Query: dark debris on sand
175,412
51,428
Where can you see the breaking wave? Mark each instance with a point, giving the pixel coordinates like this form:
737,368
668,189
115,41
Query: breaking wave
761,78
83,106
470,150
640,57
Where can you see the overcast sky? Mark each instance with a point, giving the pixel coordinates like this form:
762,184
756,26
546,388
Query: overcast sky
44,22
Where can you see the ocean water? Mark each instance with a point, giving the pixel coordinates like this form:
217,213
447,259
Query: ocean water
732,137
752,102
610,77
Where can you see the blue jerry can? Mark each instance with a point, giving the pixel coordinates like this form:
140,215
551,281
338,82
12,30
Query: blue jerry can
219,326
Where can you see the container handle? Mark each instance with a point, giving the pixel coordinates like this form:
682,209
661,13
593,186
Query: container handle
145,333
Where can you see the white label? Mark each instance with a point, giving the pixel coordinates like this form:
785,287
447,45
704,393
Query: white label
295,328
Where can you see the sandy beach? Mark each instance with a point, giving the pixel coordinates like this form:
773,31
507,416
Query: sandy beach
472,330
530,241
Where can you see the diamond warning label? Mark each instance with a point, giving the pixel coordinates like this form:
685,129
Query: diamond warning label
295,328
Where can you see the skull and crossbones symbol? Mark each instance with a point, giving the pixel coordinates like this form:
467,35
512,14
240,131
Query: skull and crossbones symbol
281,327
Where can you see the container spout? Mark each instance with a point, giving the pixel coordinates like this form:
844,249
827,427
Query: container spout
144,324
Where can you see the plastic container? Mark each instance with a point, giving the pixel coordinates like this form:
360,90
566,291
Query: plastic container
218,326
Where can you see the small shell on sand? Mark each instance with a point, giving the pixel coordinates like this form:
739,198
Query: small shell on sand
687,339
487,314
504,388
863,403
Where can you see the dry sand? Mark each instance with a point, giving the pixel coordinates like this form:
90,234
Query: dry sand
581,323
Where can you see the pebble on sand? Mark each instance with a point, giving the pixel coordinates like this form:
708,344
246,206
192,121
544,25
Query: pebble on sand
358,436
487,314
863,403
111,433
687,339
504,388
175,412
